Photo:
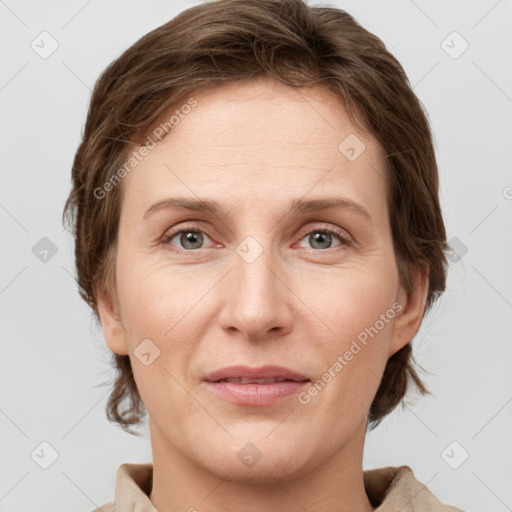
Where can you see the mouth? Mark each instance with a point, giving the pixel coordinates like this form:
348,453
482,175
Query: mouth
255,387
246,380
263,375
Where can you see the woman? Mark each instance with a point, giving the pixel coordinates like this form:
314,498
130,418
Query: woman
258,230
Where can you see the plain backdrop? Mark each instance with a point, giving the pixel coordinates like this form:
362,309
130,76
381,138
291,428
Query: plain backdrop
458,57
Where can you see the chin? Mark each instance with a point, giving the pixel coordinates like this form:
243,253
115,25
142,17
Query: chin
262,473
249,462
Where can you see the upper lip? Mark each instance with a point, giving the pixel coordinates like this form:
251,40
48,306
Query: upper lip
263,372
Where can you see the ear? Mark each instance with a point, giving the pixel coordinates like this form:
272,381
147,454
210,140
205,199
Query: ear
408,321
113,330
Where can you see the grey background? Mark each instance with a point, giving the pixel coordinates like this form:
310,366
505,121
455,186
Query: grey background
53,359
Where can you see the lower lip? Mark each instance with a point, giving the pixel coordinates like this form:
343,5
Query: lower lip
255,394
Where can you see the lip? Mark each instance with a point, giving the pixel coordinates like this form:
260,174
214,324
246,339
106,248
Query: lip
255,394
262,372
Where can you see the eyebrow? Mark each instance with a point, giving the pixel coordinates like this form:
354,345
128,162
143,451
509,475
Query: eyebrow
298,206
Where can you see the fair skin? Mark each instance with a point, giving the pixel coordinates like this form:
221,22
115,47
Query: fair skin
254,148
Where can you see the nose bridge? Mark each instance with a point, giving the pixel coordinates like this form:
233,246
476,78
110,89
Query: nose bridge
256,277
256,301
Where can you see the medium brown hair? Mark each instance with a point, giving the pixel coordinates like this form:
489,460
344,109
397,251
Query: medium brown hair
223,41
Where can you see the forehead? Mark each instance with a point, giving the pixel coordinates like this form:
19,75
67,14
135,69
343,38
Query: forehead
265,111
256,141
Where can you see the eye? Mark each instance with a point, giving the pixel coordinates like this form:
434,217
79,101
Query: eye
189,238
322,238
192,238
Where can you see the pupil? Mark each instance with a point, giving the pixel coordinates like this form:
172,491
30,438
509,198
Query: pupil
193,238
321,237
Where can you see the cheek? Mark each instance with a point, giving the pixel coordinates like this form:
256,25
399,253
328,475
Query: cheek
350,364
359,347
347,301
160,305
158,299
355,317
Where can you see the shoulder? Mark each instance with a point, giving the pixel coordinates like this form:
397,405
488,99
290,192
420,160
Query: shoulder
396,488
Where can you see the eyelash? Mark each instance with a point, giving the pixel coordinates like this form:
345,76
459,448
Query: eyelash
343,238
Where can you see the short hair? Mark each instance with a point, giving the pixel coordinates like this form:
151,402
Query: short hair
223,41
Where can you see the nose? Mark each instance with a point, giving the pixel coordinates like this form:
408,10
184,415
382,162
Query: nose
258,300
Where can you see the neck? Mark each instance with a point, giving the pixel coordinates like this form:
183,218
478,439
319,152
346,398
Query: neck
183,483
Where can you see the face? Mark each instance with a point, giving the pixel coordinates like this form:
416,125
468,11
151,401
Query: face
258,282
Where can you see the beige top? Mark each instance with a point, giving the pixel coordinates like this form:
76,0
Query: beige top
390,489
